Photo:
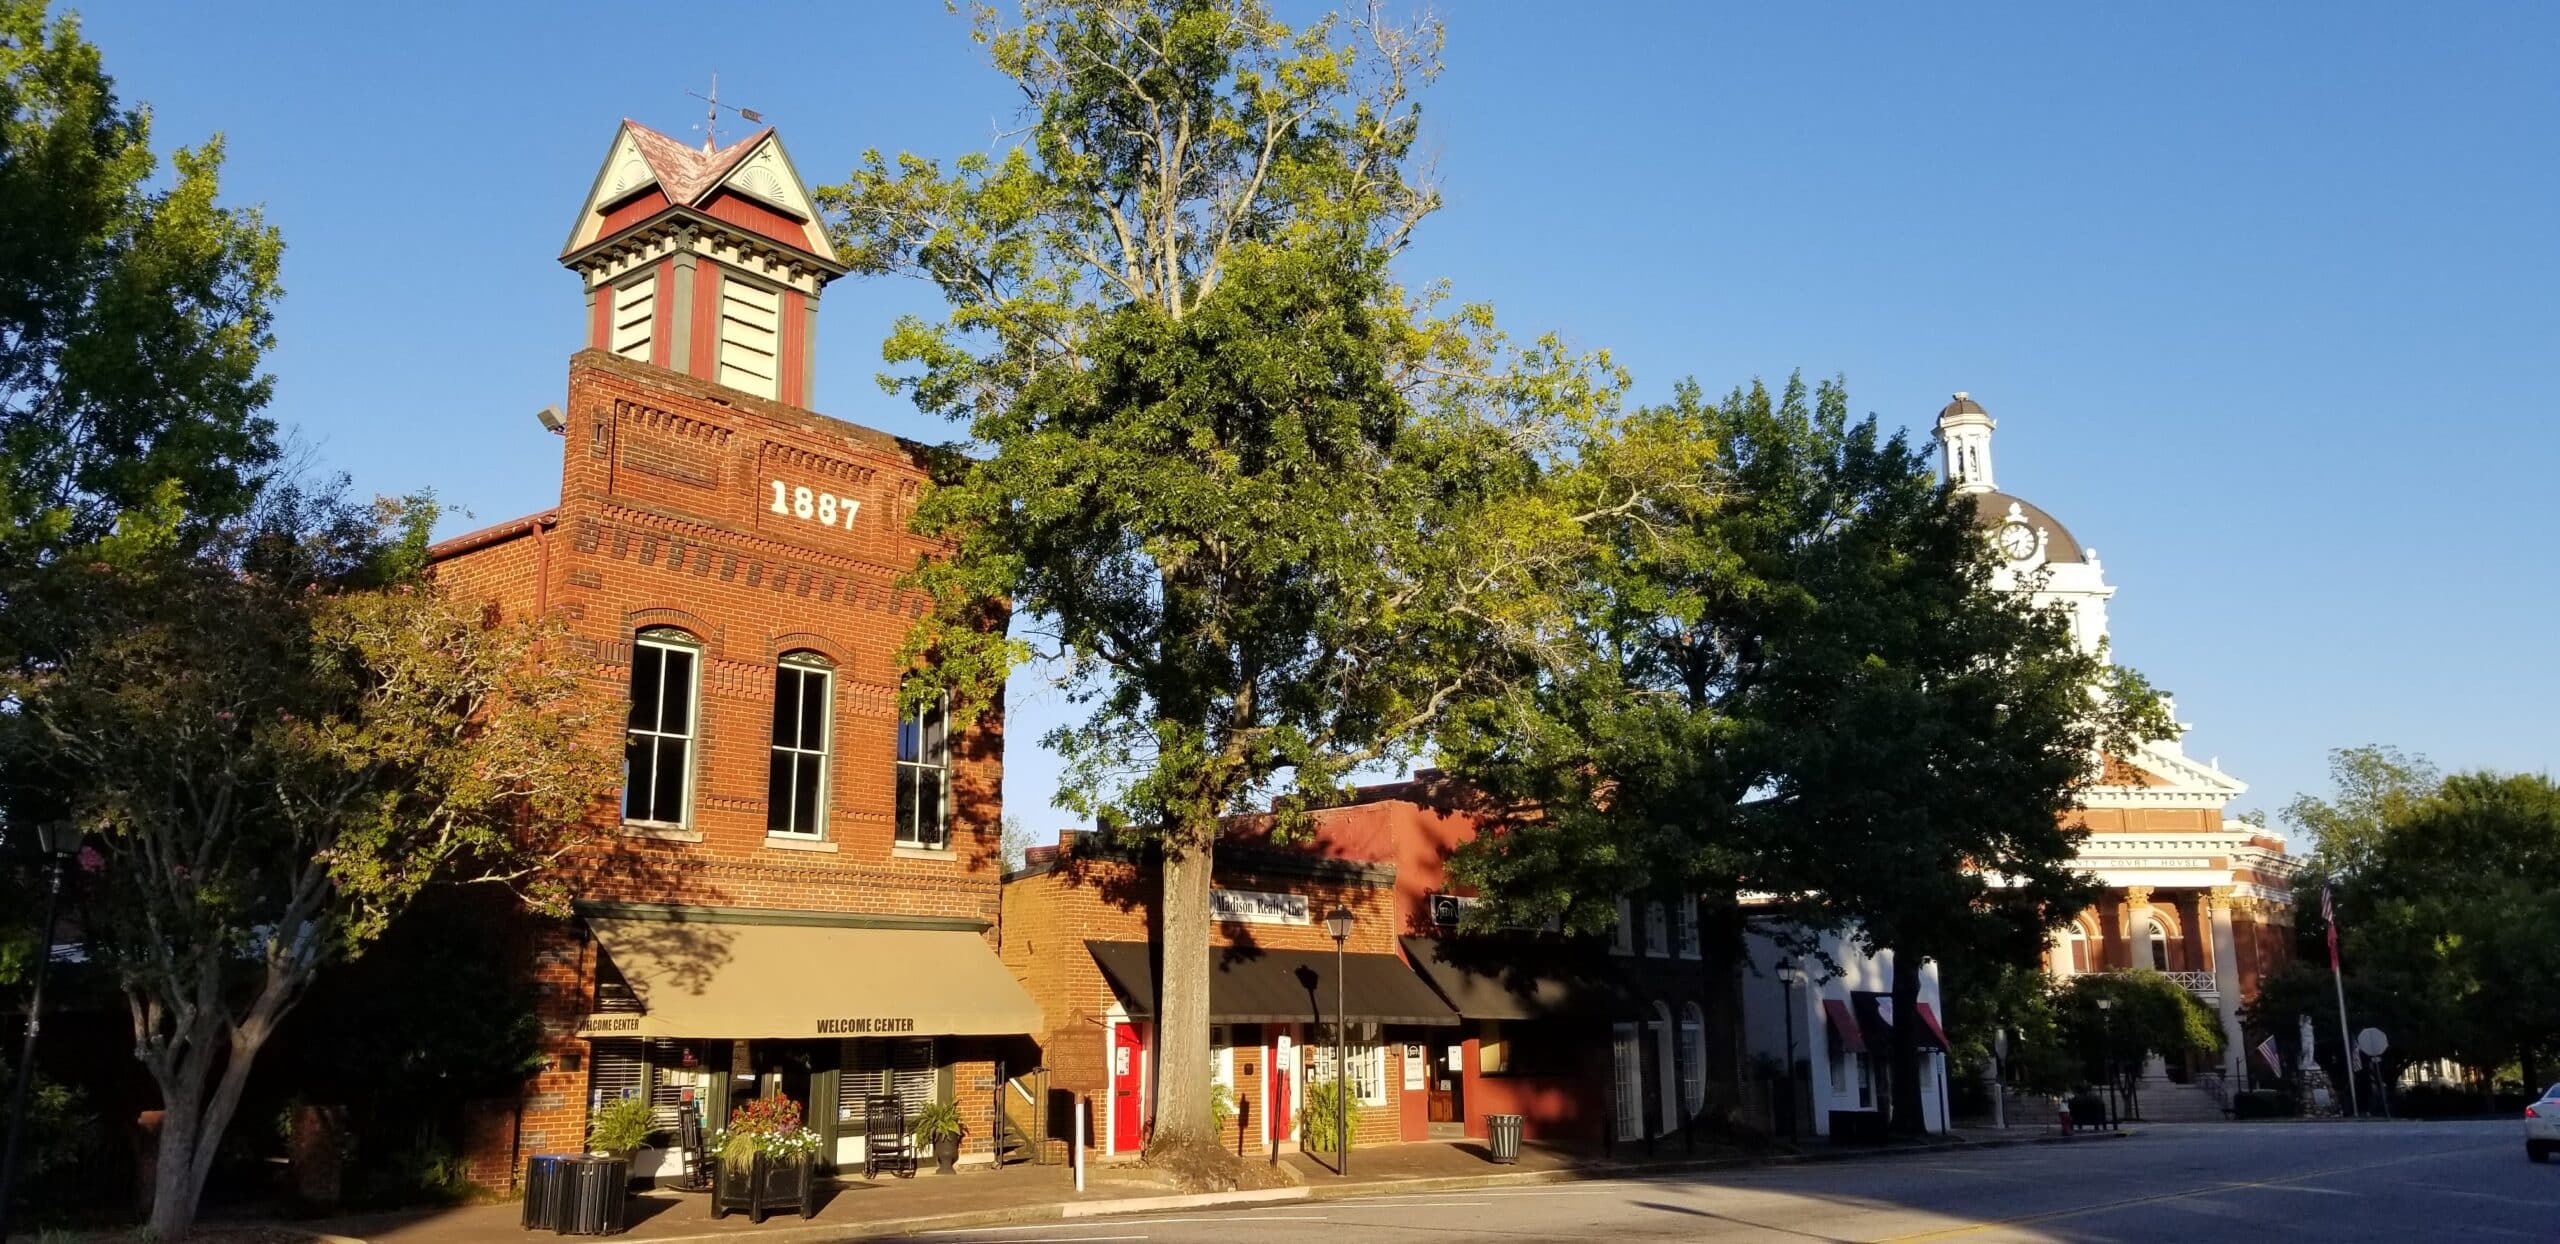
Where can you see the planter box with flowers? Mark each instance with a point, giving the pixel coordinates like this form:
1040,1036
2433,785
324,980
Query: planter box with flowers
764,1161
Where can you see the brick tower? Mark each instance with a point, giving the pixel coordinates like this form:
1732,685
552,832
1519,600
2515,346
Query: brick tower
798,881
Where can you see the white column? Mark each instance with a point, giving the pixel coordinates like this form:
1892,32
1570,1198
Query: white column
2137,925
2226,983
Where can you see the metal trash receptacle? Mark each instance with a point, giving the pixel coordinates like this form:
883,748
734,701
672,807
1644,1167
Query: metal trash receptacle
546,1191
599,1194
1505,1137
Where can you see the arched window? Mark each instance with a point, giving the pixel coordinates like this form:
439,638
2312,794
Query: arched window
657,751
2159,939
2075,947
796,792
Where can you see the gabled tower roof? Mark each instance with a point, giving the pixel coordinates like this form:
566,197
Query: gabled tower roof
650,179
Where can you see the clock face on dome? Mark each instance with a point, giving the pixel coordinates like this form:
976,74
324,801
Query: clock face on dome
2018,541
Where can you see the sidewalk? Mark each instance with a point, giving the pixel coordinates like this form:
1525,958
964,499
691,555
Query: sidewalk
850,1207
977,1198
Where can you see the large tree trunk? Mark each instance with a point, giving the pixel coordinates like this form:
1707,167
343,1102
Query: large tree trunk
1182,1118
193,1122
1908,1119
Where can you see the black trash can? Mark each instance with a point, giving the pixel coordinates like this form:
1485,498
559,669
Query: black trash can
599,1195
546,1192
1505,1137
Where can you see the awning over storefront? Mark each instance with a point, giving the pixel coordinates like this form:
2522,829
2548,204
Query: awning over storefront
740,979
1844,1026
1875,1015
1256,986
1523,981
1936,1029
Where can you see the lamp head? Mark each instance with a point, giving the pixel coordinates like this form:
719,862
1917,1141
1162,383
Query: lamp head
58,837
1338,923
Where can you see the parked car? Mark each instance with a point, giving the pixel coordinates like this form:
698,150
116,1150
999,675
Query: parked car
2542,1125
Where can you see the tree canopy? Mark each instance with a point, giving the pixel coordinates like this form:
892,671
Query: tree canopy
1268,507
1798,682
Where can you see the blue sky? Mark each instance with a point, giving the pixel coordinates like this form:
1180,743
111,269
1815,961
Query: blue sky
2263,296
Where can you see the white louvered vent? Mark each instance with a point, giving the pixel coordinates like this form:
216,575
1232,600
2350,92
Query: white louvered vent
750,336
635,313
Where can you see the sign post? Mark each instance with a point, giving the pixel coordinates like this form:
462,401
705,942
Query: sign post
2372,1043
2346,1048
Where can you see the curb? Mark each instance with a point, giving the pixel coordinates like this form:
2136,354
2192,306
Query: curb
1195,1200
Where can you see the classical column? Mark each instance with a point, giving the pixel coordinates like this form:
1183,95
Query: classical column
2137,925
2226,984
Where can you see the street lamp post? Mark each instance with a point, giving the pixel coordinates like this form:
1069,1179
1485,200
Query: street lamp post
58,841
1788,976
1338,922
2107,1053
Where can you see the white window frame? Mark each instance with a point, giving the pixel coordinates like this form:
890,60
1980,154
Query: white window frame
806,666
1691,943
1367,1053
1657,929
666,639
1622,938
912,836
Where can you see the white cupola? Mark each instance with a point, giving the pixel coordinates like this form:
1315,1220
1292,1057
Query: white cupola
1964,444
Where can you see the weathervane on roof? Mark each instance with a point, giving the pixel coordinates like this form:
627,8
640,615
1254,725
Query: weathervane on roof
711,114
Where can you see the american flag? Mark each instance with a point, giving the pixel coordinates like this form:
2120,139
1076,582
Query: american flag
2329,917
2267,1051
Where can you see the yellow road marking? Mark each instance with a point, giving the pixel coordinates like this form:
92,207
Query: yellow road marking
1949,1233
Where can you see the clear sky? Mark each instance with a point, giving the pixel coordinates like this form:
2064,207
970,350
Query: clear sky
2265,297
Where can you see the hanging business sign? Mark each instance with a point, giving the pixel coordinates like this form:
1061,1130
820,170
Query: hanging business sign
1414,1065
1257,907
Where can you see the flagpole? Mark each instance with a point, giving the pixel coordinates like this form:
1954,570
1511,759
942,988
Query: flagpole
2346,1037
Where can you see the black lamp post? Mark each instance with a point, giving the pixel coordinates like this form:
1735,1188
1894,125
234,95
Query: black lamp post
2107,1052
1338,923
59,841
1788,975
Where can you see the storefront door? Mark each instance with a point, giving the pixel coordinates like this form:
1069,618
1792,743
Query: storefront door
1128,1067
1448,1101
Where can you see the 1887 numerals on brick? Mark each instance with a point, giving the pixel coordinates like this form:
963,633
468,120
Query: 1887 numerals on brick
823,508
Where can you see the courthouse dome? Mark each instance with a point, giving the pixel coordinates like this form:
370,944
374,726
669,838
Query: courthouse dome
1991,511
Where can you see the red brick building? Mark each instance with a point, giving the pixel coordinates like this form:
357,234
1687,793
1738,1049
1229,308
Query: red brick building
800,880
1593,1039
1080,931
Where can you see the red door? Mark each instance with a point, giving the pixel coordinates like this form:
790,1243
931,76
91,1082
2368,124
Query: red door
1284,1070
1126,1057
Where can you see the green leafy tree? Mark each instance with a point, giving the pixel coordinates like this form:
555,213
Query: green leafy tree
2457,913
276,740
1802,684
1265,507
2146,1014
134,309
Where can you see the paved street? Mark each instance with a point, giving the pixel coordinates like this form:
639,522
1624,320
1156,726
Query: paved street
2197,1184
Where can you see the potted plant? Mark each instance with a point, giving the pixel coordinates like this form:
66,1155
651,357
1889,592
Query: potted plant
764,1161
938,1125
621,1127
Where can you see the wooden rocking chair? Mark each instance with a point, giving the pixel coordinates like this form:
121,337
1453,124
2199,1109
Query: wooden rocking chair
884,1137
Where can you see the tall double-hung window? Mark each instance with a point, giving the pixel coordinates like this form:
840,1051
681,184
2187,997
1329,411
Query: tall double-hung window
657,750
924,775
796,793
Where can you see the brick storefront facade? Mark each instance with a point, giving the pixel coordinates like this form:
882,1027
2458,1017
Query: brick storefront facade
1070,897
749,533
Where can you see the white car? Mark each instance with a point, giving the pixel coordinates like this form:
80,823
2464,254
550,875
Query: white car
2542,1126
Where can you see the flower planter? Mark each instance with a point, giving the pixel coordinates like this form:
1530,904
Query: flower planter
946,1152
766,1185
